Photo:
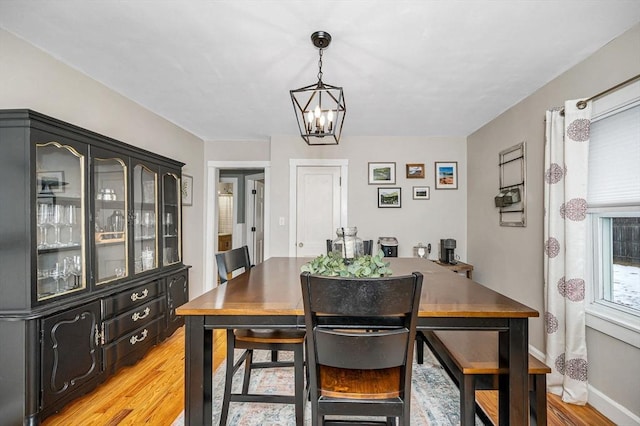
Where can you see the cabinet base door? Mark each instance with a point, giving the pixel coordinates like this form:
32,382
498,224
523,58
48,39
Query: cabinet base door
177,295
70,354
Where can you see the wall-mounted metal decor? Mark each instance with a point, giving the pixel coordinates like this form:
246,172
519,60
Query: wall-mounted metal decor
512,198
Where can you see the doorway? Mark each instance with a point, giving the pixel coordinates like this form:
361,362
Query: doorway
238,171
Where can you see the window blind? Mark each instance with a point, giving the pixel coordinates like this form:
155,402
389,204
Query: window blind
614,158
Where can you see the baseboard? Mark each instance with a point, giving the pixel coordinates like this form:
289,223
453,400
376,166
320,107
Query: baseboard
601,402
536,353
610,408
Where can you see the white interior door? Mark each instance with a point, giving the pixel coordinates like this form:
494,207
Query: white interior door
318,208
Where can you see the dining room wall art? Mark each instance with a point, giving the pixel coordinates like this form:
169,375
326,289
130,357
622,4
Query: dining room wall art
415,171
421,193
446,174
389,197
382,173
187,190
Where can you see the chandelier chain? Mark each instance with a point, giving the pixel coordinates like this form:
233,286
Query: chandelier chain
320,66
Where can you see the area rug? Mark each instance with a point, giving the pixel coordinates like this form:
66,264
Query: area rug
435,399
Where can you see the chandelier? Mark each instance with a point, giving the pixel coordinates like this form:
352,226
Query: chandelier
319,107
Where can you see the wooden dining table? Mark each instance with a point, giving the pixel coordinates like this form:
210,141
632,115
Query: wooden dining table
269,296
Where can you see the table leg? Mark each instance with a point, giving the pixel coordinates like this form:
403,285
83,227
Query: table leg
198,373
513,400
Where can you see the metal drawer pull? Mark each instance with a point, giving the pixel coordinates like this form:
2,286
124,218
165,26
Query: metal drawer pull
136,316
135,339
138,296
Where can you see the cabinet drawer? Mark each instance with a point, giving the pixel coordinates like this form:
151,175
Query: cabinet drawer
128,349
135,318
124,301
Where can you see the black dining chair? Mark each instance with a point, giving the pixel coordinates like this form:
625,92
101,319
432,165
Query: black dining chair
360,334
259,339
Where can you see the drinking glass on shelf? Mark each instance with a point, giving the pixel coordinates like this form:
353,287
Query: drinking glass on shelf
43,221
168,221
71,220
77,270
56,274
67,271
56,219
148,222
43,276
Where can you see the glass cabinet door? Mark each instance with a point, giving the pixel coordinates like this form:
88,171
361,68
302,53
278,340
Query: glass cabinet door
145,208
60,220
171,220
110,217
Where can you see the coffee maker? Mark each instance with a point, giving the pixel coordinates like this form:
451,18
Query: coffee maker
447,254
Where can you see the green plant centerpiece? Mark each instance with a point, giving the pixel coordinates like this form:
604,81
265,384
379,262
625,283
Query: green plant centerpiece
333,265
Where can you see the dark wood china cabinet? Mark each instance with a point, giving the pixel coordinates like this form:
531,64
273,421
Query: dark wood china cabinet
91,260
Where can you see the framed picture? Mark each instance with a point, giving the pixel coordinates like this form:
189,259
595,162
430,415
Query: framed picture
389,197
382,173
421,192
446,175
415,171
187,190
51,182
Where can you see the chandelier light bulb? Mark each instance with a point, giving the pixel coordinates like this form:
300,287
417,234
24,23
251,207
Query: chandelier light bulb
310,120
317,111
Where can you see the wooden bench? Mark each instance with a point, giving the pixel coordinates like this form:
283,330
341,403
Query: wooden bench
471,359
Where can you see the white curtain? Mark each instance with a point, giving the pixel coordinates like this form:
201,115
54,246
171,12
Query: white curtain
565,195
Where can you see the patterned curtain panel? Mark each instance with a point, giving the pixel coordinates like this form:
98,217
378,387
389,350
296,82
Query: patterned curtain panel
566,159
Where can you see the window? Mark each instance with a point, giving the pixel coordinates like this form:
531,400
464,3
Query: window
613,299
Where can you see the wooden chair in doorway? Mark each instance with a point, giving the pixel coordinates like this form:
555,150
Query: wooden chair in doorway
360,334
264,339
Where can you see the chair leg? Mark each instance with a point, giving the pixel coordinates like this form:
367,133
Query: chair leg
300,397
420,347
228,379
247,371
316,420
274,356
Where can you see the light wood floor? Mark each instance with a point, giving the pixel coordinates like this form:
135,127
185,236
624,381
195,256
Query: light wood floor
152,392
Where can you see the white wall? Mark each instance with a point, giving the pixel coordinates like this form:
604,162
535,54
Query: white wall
510,259
30,78
443,216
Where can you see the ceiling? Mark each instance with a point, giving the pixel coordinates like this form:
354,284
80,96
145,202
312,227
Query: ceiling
223,69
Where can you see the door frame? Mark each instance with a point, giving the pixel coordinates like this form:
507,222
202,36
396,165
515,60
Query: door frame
294,163
211,223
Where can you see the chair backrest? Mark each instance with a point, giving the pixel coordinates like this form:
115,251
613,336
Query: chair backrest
361,323
232,260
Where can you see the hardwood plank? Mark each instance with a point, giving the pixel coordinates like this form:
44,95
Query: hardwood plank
558,413
152,392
